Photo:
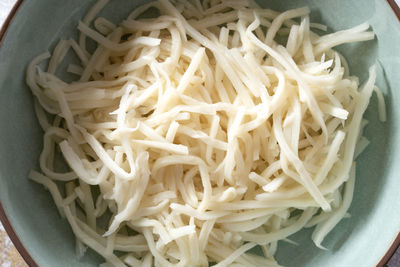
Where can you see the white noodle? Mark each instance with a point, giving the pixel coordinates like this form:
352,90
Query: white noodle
201,132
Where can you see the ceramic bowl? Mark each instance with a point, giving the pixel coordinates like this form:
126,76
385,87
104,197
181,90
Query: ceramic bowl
45,239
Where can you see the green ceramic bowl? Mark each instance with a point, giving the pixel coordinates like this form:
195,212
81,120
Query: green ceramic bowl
31,217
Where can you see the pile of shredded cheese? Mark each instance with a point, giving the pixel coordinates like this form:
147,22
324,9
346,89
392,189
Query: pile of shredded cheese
201,133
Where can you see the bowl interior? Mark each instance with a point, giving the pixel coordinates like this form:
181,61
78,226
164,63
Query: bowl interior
38,25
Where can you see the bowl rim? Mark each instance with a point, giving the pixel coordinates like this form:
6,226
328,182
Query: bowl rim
3,216
17,241
395,7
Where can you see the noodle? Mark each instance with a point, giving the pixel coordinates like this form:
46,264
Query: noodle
198,134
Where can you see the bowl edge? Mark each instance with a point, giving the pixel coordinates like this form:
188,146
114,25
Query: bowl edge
15,239
3,217
8,20
395,8
396,241
390,252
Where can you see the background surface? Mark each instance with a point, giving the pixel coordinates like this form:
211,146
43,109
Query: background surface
9,256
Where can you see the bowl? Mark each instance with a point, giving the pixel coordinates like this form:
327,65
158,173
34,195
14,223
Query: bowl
45,239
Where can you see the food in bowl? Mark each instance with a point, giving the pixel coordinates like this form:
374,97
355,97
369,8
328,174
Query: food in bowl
200,133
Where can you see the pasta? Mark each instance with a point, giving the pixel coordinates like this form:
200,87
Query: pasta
203,132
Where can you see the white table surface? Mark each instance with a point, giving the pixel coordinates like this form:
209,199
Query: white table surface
5,7
8,256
